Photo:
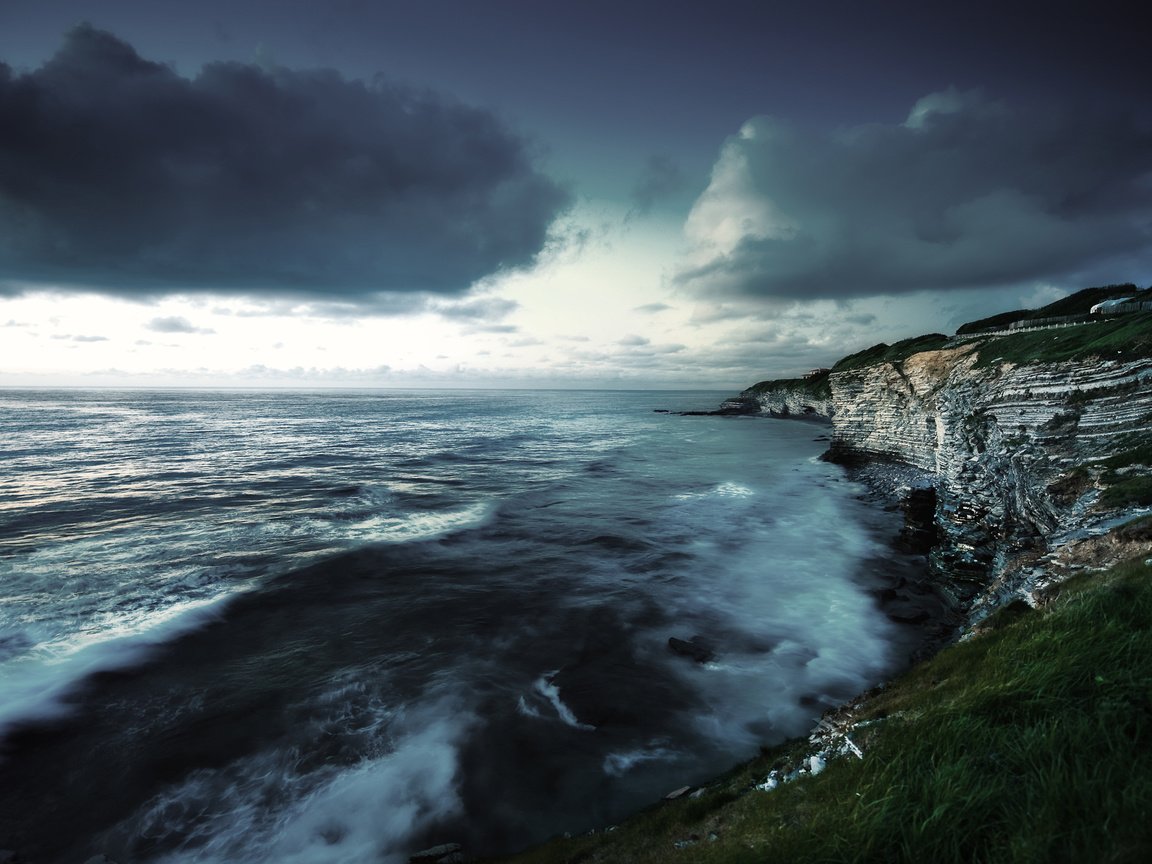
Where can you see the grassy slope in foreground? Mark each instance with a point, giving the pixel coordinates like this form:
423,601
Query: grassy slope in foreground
1031,742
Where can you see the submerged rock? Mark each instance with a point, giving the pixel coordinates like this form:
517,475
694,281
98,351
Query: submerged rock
697,648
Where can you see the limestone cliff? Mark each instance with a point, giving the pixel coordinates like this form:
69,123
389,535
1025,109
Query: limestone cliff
1023,457
797,398
1009,448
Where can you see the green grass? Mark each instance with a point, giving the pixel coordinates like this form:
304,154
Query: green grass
1128,492
884,353
1138,530
1124,475
1031,743
1124,337
816,387
1123,489
1083,300
1141,454
995,322
1074,304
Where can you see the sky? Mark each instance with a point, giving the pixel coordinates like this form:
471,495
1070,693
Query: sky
454,193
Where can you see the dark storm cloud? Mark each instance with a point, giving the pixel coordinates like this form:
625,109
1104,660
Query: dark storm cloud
965,193
116,172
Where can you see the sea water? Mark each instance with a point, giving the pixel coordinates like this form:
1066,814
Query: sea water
340,626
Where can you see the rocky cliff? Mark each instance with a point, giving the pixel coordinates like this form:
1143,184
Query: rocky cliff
1015,452
1021,458
796,398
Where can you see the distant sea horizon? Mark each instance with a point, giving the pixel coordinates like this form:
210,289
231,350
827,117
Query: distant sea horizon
722,392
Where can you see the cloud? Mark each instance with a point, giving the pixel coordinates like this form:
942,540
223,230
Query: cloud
493,328
117,173
662,177
479,309
69,337
652,308
966,192
632,340
525,342
176,324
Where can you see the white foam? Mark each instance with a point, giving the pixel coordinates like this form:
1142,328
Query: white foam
409,527
727,489
35,684
266,809
130,590
621,762
551,692
414,527
771,582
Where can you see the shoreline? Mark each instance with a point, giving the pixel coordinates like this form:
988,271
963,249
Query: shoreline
897,578
1008,489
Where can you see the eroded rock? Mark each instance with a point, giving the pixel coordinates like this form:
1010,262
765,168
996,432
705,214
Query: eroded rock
1002,445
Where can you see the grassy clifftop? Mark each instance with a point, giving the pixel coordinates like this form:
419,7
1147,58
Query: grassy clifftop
1031,742
1125,337
1074,304
815,387
884,353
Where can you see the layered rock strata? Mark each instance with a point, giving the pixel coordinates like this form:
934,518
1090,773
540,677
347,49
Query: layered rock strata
1012,452
794,398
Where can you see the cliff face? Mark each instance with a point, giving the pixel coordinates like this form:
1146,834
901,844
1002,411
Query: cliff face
1013,451
795,398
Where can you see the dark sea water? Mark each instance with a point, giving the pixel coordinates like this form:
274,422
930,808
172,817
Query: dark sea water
342,626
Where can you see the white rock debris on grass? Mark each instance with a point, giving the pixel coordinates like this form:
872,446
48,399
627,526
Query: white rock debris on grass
831,741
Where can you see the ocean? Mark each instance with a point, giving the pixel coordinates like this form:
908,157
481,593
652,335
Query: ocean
341,626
